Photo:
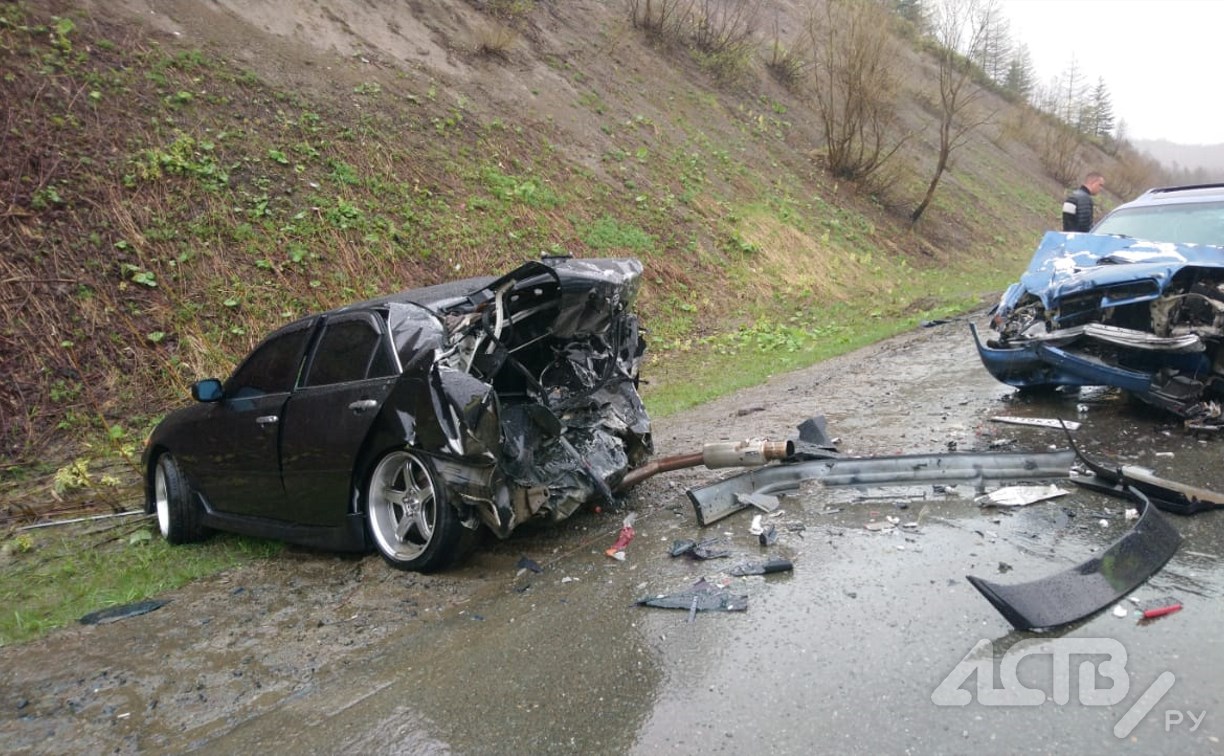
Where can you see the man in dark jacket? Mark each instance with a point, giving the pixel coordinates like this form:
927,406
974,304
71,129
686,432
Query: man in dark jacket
1077,208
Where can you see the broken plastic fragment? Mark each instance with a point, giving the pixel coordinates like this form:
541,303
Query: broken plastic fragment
702,597
703,550
1020,496
763,502
1039,422
776,564
1159,607
1093,585
768,536
622,540
681,547
707,550
116,613
1120,611
528,564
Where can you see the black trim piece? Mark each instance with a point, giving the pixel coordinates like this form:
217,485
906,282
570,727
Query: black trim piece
1085,589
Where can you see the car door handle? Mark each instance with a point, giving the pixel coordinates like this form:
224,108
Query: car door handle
362,405
266,419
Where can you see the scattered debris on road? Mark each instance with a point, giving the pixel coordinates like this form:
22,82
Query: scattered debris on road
1037,422
704,596
524,564
1043,603
1154,608
617,549
767,567
714,501
1020,496
116,613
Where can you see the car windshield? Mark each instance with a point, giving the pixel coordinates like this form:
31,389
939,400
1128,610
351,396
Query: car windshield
1197,223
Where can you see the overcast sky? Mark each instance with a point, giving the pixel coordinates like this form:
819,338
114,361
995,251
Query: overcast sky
1161,59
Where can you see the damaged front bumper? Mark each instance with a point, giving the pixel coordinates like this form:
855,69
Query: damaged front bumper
1144,317
1036,363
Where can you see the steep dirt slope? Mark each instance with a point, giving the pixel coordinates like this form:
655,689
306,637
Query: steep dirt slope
181,176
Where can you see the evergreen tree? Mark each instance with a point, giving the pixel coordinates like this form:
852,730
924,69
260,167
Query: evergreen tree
1019,82
1103,121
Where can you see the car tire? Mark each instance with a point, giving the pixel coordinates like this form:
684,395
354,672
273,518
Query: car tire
411,520
178,514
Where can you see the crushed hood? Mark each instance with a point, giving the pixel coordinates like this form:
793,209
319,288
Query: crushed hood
1067,263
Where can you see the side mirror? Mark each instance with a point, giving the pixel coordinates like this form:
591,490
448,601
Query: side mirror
207,390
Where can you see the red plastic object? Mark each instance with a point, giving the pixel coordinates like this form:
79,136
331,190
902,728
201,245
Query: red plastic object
1161,611
626,535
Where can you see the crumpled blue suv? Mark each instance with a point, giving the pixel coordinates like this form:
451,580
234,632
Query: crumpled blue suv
1137,304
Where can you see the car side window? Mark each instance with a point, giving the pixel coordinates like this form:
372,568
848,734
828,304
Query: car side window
272,368
350,350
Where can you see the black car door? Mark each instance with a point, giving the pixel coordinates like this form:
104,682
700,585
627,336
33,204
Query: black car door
233,455
347,378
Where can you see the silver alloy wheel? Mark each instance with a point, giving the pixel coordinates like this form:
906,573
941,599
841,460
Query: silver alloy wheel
402,500
161,498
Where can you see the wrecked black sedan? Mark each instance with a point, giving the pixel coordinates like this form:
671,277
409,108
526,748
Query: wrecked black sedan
406,423
1138,304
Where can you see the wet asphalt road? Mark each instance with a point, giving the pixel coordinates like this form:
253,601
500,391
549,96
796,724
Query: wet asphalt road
843,654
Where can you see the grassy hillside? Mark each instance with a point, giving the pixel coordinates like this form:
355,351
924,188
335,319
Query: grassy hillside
176,186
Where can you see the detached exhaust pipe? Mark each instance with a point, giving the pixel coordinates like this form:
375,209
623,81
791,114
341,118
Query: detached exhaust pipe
752,453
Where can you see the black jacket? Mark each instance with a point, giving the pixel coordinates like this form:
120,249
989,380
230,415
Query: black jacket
1077,210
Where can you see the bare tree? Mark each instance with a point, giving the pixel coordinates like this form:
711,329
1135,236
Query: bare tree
664,17
994,51
1070,91
1059,151
725,25
855,86
1135,171
789,65
960,27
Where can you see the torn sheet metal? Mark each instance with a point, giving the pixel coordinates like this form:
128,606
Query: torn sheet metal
1087,588
717,500
1020,496
1037,422
535,374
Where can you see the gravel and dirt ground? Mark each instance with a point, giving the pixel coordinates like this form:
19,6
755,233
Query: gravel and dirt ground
310,652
